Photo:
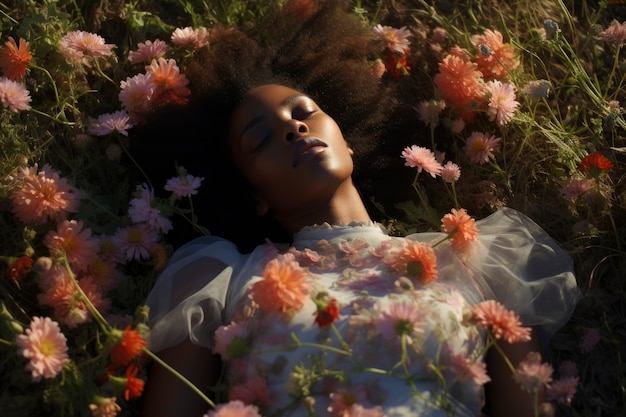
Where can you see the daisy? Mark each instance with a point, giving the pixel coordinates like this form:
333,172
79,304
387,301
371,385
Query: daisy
563,390
136,93
284,288
135,241
396,40
45,346
531,374
231,341
14,59
401,319
500,58
105,407
416,259
422,159
252,391
467,369
462,228
73,241
43,195
185,185
147,51
234,409
78,44
118,121
14,95
502,103
615,33
171,85
504,324
142,210
450,172
128,345
189,36
480,147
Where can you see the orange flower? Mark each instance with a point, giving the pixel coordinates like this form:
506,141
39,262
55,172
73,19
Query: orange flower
460,83
134,385
14,59
396,64
462,228
283,288
494,58
19,268
502,322
129,347
595,163
418,260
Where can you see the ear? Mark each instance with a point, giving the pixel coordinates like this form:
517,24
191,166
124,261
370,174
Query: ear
261,207
351,151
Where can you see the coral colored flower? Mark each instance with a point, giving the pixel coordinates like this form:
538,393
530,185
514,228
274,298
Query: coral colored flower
401,319
396,40
105,407
19,268
616,33
14,95
590,339
73,241
502,103
461,85
594,163
147,51
416,259
231,341
450,172
327,311
135,241
462,228
171,85
503,323
467,368
252,391
45,346
43,196
531,374
480,147
78,44
284,288
563,390
234,409
14,59
136,93
118,121
129,346
133,386
189,36
185,185
422,159
499,57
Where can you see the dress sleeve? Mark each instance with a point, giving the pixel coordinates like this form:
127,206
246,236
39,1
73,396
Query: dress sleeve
518,264
188,298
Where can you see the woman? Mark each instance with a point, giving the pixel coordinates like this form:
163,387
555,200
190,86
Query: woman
343,319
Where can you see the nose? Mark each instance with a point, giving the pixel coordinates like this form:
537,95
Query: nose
295,128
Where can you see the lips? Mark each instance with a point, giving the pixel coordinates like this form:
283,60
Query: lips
307,147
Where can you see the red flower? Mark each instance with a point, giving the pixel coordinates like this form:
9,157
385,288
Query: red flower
396,64
326,314
134,385
15,58
128,348
594,163
19,268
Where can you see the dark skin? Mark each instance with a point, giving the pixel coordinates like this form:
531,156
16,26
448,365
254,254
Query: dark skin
295,157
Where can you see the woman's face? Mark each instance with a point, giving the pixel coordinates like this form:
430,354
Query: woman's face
292,153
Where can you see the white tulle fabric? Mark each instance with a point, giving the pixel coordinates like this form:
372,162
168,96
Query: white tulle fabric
514,262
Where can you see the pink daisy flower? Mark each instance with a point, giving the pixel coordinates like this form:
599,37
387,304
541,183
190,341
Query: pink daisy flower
78,44
284,288
189,36
401,319
142,210
71,240
615,33
578,187
480,147
563,390
105,407
14,95
467,369
118,121
171,85
450,172
502,103
231,340
503,323
422,159
147,51
45,346
43,196
135,241
136,93
394,39
185,185
252,391
429,111
234,409
531,374
462,228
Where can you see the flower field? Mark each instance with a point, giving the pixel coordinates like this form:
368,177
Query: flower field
515,103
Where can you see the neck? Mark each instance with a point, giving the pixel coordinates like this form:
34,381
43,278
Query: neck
344,206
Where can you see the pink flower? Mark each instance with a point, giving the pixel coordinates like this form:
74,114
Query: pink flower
590,339
234,409
394,39
135,241
252,391
78,44
480,147
136,93
231,341
502,322
105,407
615,33
107,123
450,172
344,404
184,185
14,95
141,210
378,69
429,111
45,346
190,36
502,103
462,228
73,241
531,374
562,391
401,319
422,159
284,288
147,51
171,85
43,196
439,35
578,187
467,368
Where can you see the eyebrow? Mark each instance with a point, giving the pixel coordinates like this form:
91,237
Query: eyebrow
287,101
